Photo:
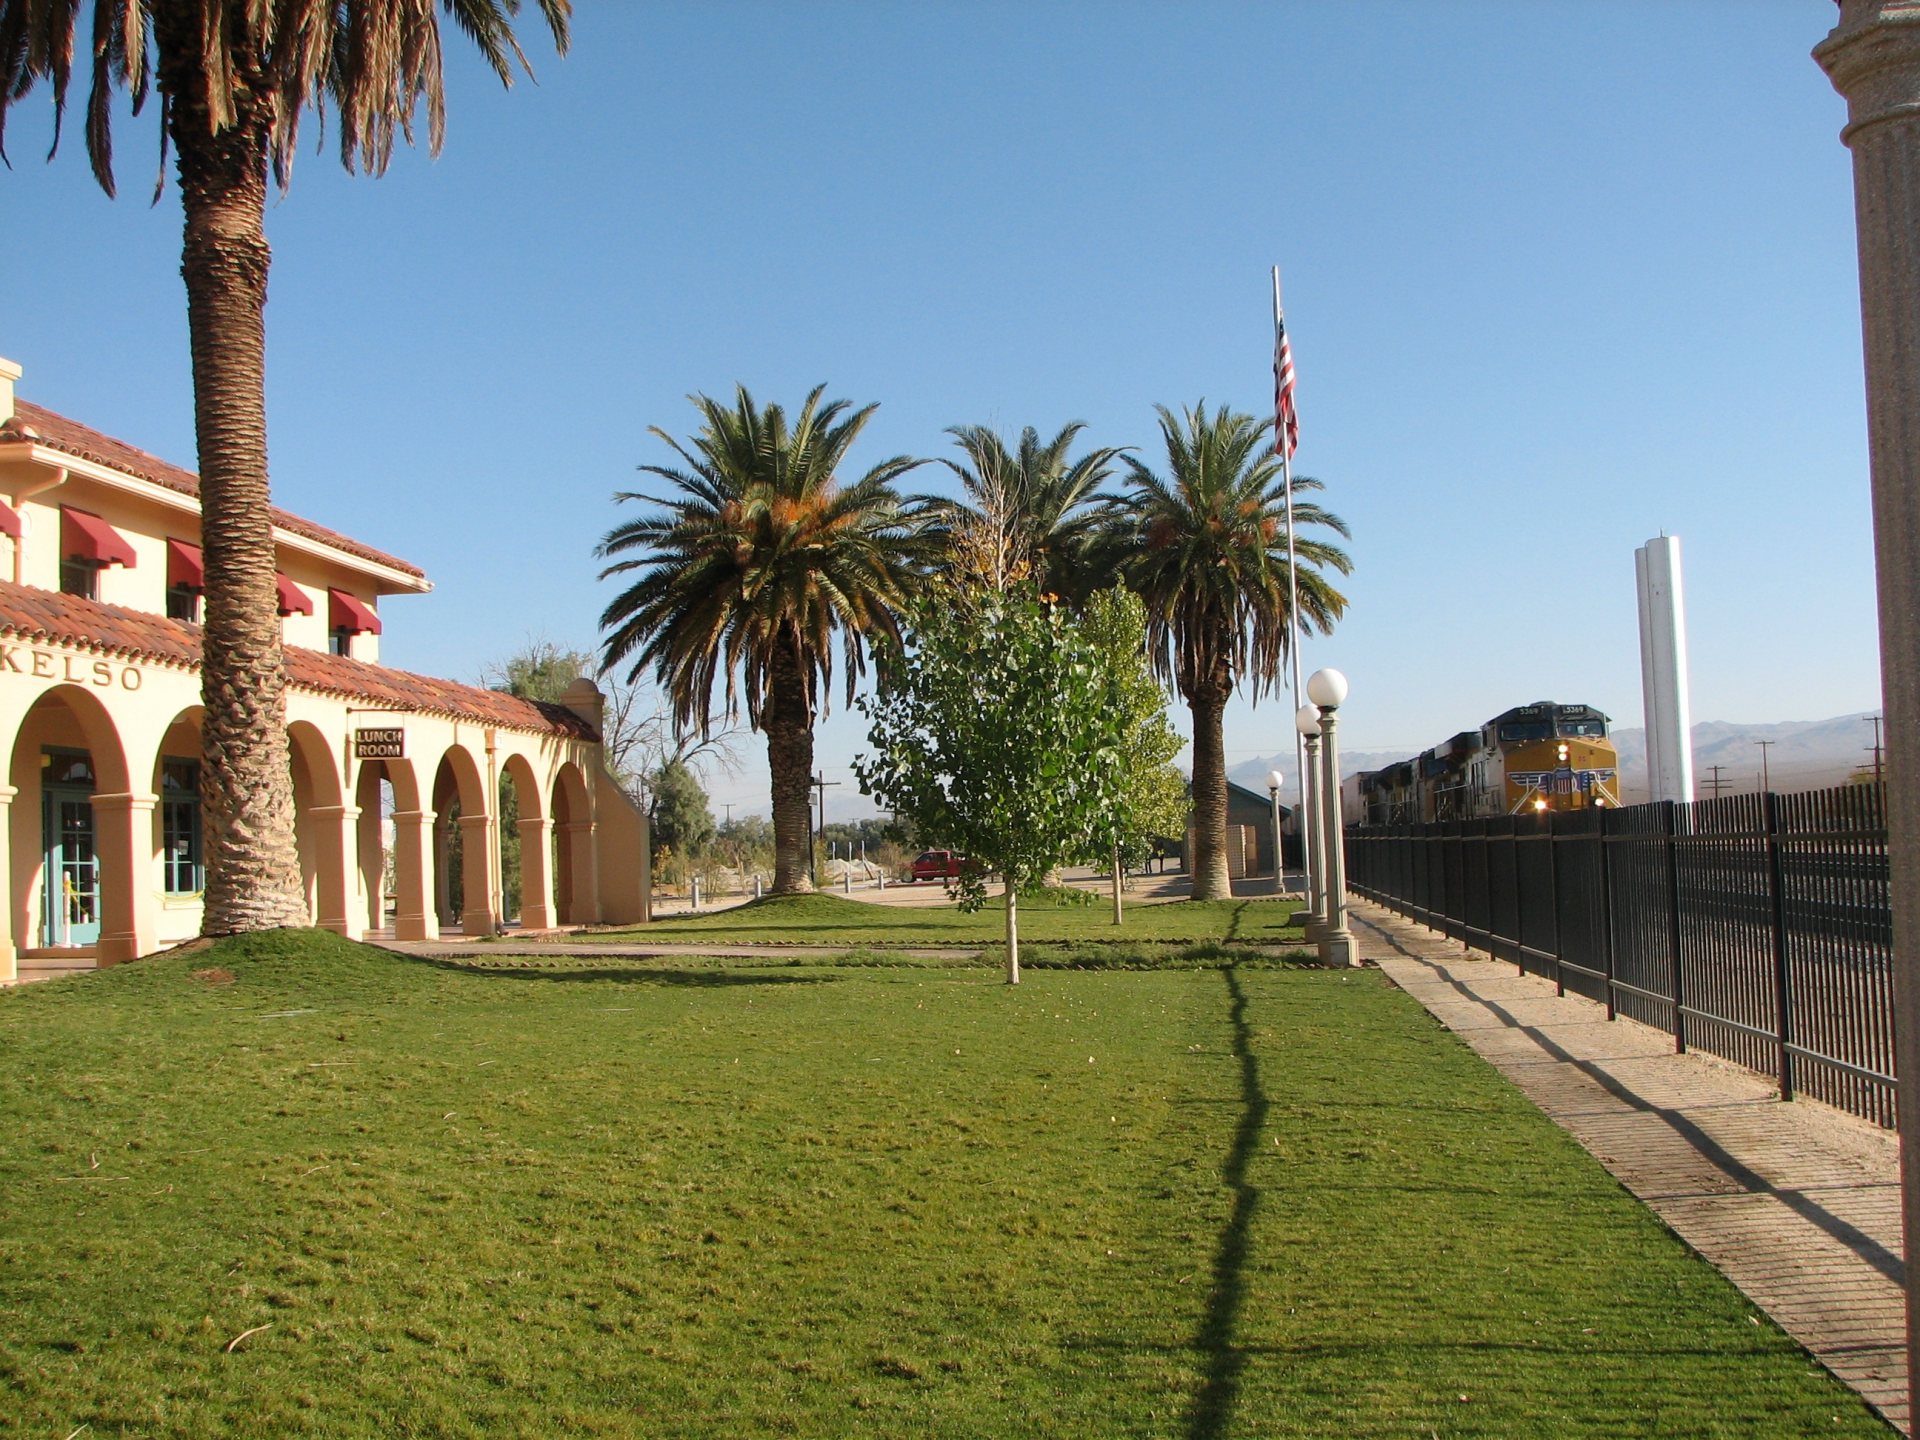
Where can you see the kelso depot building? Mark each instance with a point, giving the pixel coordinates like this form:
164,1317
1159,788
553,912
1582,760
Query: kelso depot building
398,779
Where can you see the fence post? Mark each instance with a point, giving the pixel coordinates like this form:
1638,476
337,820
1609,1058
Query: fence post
1519,905
1782,1005
1670,822
1486,881
1606,915
1553,898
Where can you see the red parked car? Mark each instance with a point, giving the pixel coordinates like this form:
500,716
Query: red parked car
937,865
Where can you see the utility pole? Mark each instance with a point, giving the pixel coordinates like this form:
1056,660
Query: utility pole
1716,782
1766,782
1874,720
820,784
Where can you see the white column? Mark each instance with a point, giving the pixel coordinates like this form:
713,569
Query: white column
9,942
1311,840
335,842
414,916
1873,59
536,876
1336,941
129,877
476,869
1663,670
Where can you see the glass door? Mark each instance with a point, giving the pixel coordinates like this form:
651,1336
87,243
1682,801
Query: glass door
71,908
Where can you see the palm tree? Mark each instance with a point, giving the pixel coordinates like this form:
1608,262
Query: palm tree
753,568
233,80
1029,514
1206,548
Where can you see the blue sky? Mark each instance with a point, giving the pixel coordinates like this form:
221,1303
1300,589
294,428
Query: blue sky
1559,277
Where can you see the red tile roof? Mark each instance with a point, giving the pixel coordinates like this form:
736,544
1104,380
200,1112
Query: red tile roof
30,614
70,437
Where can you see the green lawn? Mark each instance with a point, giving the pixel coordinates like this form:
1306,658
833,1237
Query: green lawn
617,1198
831,920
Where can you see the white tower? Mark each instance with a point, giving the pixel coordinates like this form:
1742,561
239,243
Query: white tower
1663,670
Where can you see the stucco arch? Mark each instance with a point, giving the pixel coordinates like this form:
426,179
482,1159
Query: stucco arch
115,890
526,885
465,854
575,888
179,743
325,832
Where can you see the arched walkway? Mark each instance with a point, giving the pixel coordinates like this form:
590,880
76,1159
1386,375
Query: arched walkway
79,836
575,888
326,832
464,857
526,875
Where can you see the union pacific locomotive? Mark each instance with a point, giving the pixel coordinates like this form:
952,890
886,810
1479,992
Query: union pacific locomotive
1533,757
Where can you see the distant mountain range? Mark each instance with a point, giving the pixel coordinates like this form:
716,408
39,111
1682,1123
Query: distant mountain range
1802,755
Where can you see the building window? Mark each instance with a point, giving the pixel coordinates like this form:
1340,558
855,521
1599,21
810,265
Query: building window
80,577
180,827
183,603
340,642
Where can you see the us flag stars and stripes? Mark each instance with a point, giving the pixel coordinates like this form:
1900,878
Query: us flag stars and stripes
1286,420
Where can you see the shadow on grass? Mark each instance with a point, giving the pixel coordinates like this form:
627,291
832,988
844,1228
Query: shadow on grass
503,970
1223,1359
1233,925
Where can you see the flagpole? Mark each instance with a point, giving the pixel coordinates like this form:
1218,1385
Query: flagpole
1293,598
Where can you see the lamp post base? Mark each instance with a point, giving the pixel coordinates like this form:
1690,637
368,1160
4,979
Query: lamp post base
1336,949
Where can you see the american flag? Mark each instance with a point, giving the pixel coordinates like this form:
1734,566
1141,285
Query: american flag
1286,420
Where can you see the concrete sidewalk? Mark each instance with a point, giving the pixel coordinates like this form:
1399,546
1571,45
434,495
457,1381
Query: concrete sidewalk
1798,1204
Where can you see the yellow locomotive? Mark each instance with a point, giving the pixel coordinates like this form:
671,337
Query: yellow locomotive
1542,756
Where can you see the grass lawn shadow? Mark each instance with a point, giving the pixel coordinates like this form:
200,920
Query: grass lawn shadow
716,977
1223,1360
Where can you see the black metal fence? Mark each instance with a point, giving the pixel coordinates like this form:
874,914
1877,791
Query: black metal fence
1754,927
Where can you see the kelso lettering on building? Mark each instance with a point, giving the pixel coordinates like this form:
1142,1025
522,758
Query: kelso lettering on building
73,669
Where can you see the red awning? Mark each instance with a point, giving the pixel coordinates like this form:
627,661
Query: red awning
185,569
293,600
9,521
85,536
349,613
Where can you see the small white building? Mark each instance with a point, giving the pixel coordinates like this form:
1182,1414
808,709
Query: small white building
100,706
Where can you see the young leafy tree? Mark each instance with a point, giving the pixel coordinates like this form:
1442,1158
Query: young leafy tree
1152,799
995,732
233,80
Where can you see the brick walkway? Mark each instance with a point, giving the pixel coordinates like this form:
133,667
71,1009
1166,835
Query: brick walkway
1798,1204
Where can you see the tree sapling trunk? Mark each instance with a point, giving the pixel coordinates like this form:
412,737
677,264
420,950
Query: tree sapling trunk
1013,929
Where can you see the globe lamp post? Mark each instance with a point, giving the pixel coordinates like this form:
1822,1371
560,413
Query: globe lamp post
1328,689
1307,821
1274,781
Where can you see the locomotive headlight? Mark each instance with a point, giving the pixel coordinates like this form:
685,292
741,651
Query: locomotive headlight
1564,751
1540,803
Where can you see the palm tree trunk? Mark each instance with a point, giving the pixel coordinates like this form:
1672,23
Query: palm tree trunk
789,725
1210,880
246,786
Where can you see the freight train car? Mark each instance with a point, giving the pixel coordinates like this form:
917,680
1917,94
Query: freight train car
1542,756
